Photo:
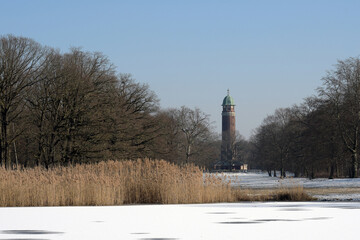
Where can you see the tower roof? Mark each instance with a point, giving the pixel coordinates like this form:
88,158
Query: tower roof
228,100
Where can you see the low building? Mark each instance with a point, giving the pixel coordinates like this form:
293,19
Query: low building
226,166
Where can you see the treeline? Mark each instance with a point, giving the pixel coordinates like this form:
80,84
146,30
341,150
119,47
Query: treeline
318,138
60,109
67,108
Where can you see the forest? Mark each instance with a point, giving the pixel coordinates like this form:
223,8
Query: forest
319,137
62,109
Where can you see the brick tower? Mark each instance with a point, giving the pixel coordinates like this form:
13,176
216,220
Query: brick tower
228,129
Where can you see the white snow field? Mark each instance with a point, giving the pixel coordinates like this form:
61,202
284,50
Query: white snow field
262,180
272,220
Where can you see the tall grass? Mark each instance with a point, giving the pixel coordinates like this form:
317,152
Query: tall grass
114,183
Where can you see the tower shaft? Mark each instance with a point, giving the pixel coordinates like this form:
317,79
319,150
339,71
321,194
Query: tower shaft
228,131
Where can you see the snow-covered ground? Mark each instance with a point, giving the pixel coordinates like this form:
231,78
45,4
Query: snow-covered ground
273,220
270,220
261,180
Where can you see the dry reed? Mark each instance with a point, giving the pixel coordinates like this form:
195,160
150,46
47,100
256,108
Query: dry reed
115,183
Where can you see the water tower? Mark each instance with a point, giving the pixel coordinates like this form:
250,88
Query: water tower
228,129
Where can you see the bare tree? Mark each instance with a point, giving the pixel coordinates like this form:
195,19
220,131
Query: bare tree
134,126
341,88
21,61
240,149
275,138
73,108
44,106
166,145
194,126
69,107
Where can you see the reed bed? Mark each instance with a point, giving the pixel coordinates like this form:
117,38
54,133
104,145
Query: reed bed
115,183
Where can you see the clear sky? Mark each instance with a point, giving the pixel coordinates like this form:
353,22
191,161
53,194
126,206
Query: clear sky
270,54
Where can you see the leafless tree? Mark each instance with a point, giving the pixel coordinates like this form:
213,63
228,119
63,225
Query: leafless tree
341,88
69,107
272,141
134,127
194,126
21,62
74,108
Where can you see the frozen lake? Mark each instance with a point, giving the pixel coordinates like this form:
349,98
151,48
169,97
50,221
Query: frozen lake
272,220
263,181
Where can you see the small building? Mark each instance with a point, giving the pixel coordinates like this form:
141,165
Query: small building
244,167
226,166
222,166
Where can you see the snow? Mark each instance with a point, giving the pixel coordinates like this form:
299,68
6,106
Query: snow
272,220
262,180
338,197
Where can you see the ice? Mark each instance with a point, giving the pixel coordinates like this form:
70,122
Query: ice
338,197
262,180
272,220
260,220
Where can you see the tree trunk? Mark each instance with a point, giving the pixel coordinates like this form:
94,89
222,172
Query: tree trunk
39,154
337,168
312,175
1,159
282,173
296,173
188,152
4,141
281,165
332,170
354,165
67,150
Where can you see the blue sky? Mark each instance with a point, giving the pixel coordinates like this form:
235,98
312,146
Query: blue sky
270,54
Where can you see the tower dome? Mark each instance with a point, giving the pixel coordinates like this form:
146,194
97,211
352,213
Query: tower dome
228,100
